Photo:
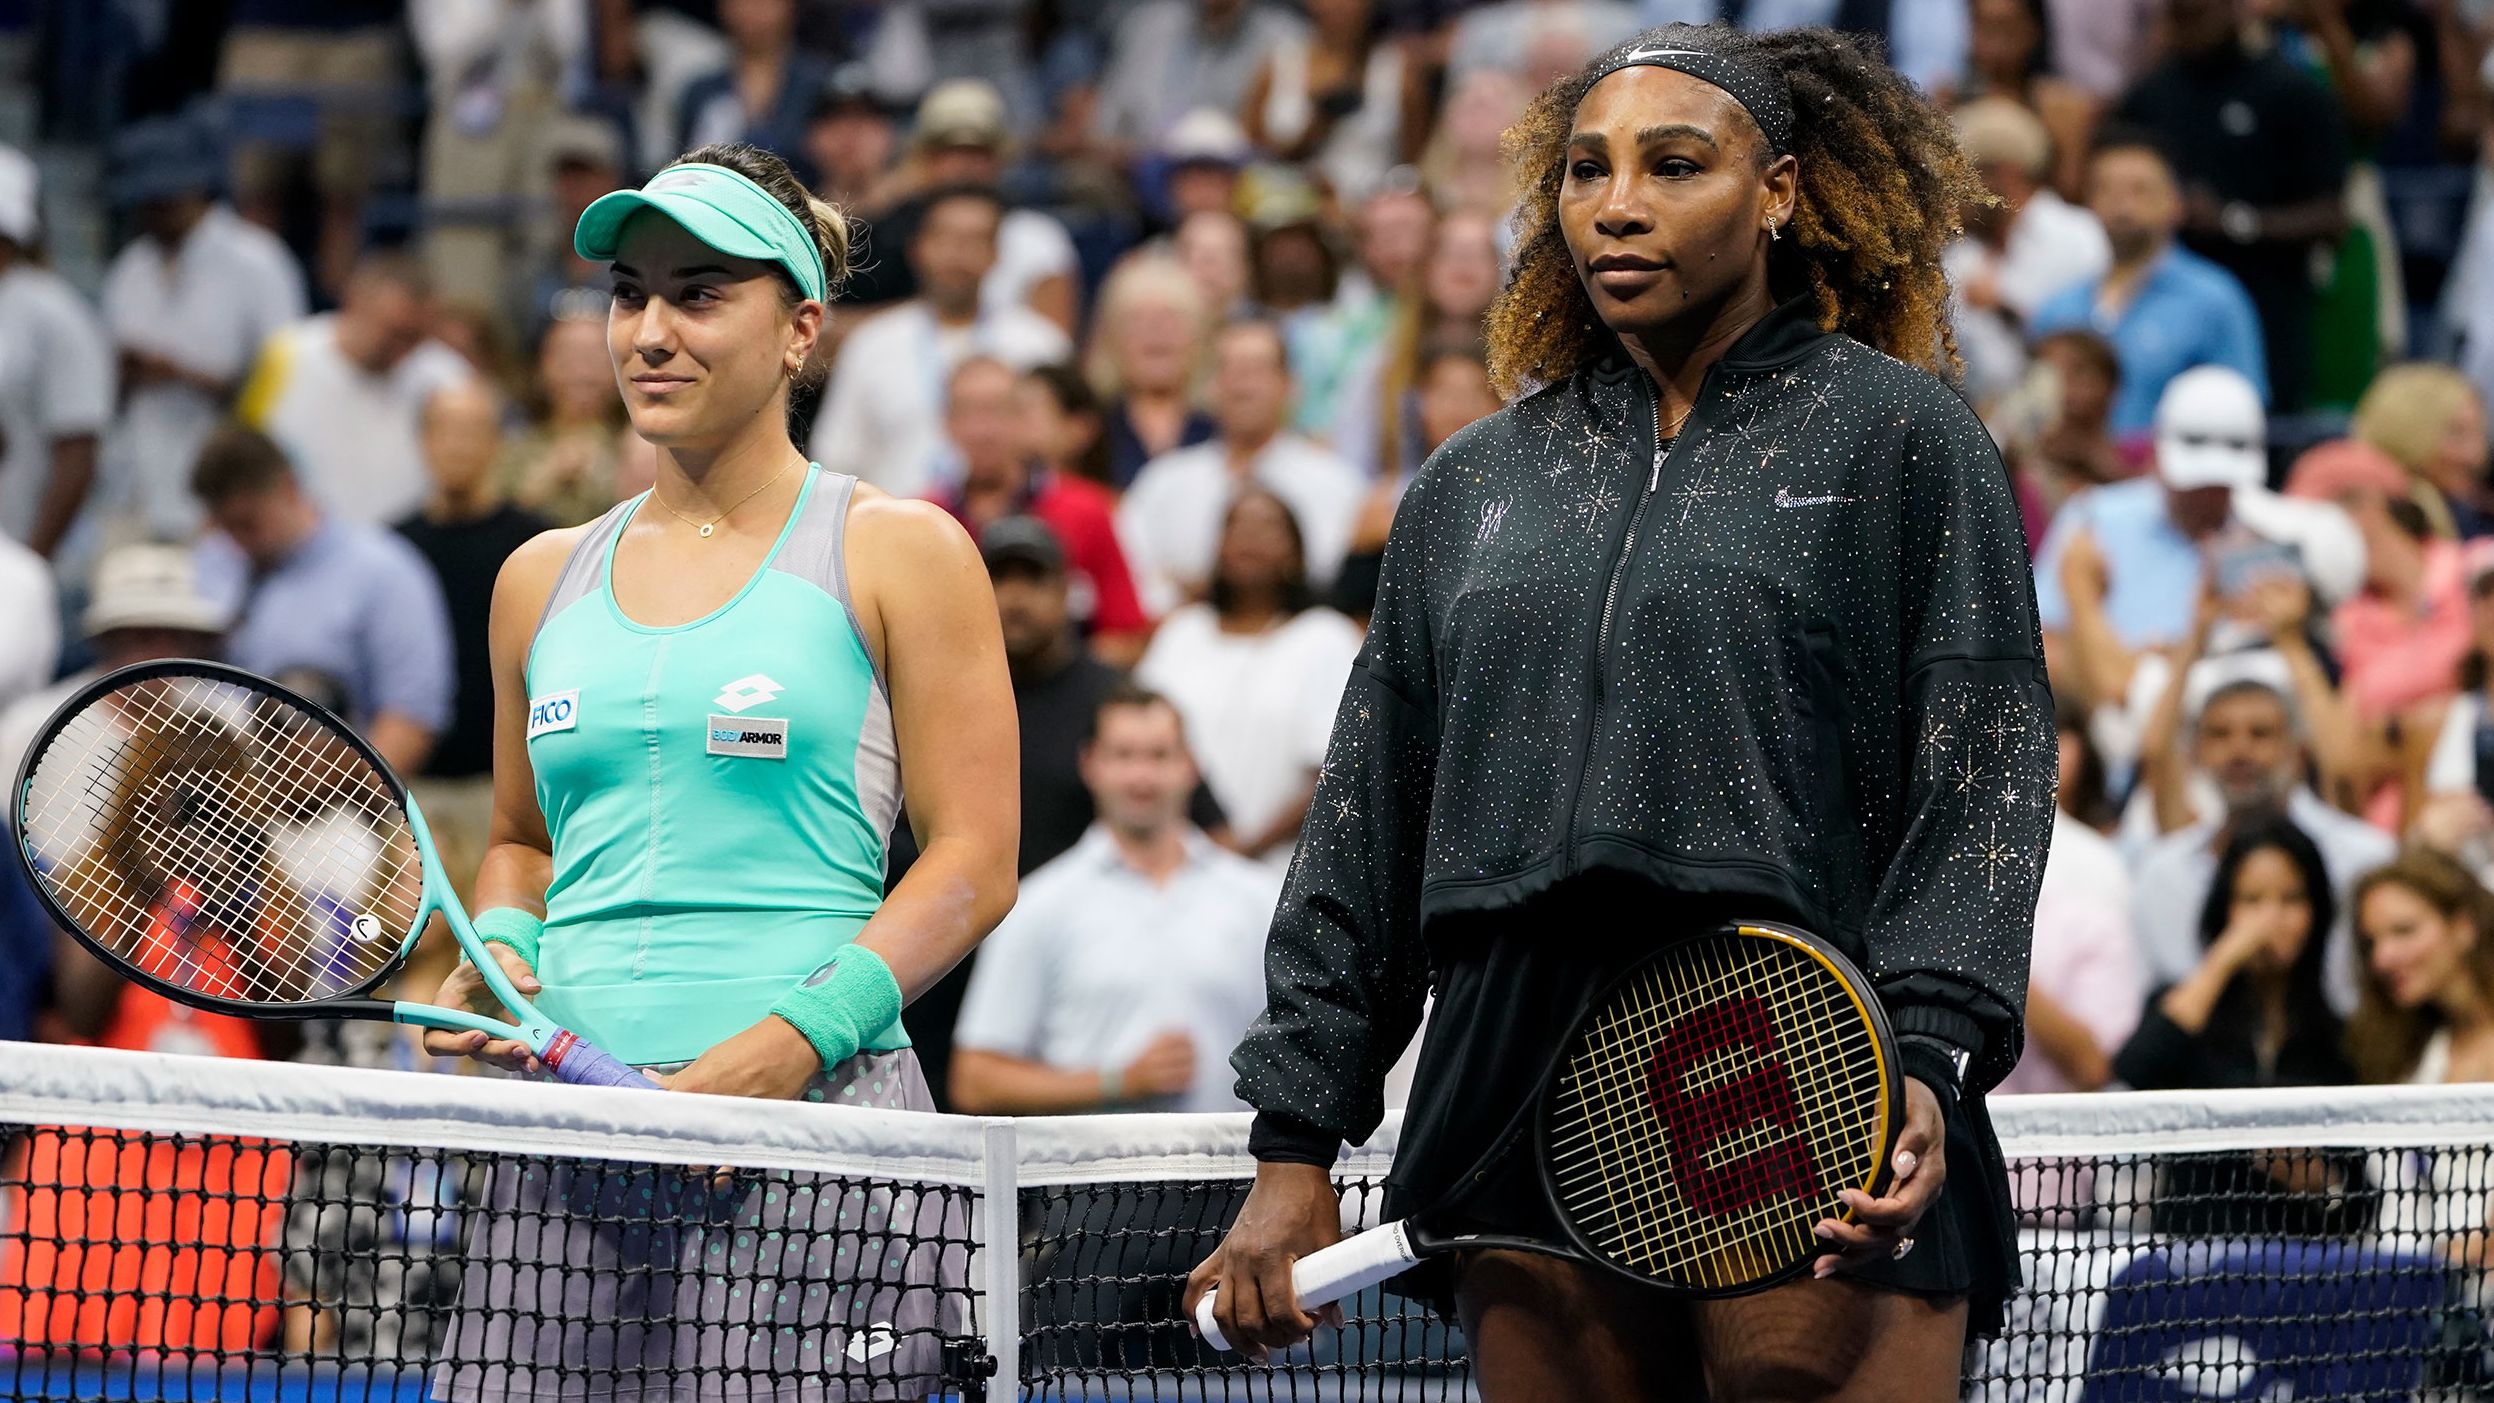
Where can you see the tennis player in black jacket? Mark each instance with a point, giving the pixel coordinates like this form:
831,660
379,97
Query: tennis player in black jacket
1729,612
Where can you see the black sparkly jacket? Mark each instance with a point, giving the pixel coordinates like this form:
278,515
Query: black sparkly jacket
1795,662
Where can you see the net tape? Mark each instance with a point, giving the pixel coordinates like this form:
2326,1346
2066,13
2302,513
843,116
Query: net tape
188,1228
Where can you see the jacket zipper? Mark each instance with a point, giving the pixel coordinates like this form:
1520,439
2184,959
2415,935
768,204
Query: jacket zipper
1610,605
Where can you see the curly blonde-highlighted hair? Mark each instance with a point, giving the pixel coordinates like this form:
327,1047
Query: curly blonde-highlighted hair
1882,185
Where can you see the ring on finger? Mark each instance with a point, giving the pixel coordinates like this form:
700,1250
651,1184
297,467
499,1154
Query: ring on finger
1903,1246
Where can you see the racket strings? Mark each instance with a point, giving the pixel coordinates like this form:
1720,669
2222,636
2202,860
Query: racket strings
1742,1245
223,840
1762,1046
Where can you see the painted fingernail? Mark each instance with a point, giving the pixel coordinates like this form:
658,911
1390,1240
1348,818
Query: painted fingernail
1825,1231
1905,1161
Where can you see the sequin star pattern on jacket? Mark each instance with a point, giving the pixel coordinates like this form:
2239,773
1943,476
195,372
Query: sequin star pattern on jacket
1793,660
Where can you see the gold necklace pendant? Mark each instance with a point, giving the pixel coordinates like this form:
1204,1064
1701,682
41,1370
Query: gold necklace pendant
704,528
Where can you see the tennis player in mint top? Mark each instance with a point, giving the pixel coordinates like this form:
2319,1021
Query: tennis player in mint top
706,702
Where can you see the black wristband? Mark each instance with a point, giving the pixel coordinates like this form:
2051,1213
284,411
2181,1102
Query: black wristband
1935,1064
1276,1138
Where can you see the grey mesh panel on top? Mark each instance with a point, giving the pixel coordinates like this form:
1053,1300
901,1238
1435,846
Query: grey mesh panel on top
817,552
584,570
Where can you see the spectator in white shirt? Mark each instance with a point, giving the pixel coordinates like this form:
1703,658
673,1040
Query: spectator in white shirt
883,416
1172,516
1132,964
189,302
344,392
56,378
2016,253
1257,670
30,648
2247,742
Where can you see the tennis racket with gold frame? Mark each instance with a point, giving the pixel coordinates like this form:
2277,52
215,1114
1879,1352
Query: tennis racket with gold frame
1694,1129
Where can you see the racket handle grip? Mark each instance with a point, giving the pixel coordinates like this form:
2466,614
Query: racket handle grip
1330,1273
585,1064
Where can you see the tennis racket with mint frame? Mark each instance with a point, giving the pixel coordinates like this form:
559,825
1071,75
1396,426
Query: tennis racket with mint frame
216,838
1693,1130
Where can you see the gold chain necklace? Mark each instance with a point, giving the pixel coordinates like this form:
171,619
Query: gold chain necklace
705,528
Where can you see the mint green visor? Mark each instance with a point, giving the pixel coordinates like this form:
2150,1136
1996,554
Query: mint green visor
717,206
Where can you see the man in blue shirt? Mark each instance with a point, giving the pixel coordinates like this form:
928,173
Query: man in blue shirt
348,614
2164,308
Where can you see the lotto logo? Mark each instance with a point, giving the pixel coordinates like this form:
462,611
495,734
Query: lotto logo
558,712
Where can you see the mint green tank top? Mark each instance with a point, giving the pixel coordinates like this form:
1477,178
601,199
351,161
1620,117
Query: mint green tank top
718,792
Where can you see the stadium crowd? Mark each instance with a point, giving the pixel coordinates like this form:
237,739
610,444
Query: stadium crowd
1166,301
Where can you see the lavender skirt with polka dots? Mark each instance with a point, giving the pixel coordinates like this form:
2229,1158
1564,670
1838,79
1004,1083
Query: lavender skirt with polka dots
636,1283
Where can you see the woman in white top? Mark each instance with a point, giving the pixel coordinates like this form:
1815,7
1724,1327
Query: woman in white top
1256,671
2425,1001
2425,1016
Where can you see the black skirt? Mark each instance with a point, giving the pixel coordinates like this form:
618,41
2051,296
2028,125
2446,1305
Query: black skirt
1510,986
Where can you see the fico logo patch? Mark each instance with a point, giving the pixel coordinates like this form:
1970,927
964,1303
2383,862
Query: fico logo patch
558,712
749,737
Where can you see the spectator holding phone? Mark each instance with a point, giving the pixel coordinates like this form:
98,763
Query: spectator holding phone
2118,574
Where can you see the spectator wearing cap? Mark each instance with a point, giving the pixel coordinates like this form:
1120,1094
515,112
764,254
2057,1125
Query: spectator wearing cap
343,390
1171,518
1341,98
2119,572
550,281
31,649
317,594
2164,307
2431,419
2260,148
1147,351
995,476
1201,160
1173,56
882,416
1257,669
493,77
343,56
765,92
189,302
2017,252
1130,964
145,605
464,531
56,379
960,138
1058,686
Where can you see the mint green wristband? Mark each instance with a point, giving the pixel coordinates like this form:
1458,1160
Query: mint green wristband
838,1007
509,925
